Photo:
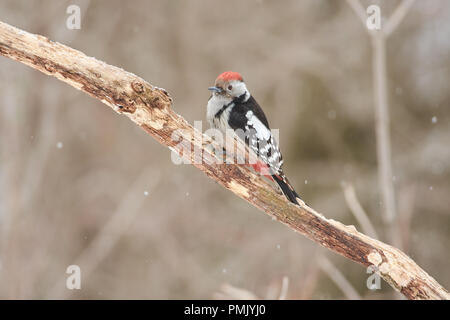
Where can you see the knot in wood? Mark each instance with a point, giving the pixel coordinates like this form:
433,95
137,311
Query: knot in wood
137,87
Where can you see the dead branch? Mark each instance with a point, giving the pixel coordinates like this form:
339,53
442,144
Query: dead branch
151,108
382,117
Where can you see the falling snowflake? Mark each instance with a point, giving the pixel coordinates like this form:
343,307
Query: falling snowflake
434,120
145,193
59,145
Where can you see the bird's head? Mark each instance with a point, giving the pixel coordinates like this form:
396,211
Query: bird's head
229,85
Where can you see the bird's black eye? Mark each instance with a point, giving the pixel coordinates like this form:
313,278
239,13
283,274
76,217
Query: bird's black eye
230,87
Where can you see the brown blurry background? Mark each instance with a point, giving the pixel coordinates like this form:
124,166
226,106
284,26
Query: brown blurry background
82,185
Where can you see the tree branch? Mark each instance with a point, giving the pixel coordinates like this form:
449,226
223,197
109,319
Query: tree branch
358,211
151,109
382,118
396,18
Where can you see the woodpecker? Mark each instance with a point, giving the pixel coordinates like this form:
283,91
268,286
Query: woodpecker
231,106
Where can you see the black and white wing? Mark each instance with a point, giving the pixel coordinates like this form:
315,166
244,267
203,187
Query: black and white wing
256,133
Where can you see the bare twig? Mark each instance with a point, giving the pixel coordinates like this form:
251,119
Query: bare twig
382,129
310,281
358,211
41,151
274,291
112,231
151,109
382,119
396,18
284,288
359,10
406,203
338,278
229,292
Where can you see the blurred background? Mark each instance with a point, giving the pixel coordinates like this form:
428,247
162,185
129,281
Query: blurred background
82,185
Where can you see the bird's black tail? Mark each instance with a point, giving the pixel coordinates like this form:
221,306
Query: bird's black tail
286,187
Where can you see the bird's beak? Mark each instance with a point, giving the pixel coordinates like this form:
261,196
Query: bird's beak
215,89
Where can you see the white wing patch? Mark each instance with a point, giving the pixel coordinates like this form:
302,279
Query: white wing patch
261,141
262,132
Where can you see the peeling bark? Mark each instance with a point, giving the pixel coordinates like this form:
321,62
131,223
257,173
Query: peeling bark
151,109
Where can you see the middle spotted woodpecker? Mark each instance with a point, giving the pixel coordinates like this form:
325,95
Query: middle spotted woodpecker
231,106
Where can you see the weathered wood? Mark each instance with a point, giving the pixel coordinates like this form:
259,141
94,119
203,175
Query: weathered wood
151,109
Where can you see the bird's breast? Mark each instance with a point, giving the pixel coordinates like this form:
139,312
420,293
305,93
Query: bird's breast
218,112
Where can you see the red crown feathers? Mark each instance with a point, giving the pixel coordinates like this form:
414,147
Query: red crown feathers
230,75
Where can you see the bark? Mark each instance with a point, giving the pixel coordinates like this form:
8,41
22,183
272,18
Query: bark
151,108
